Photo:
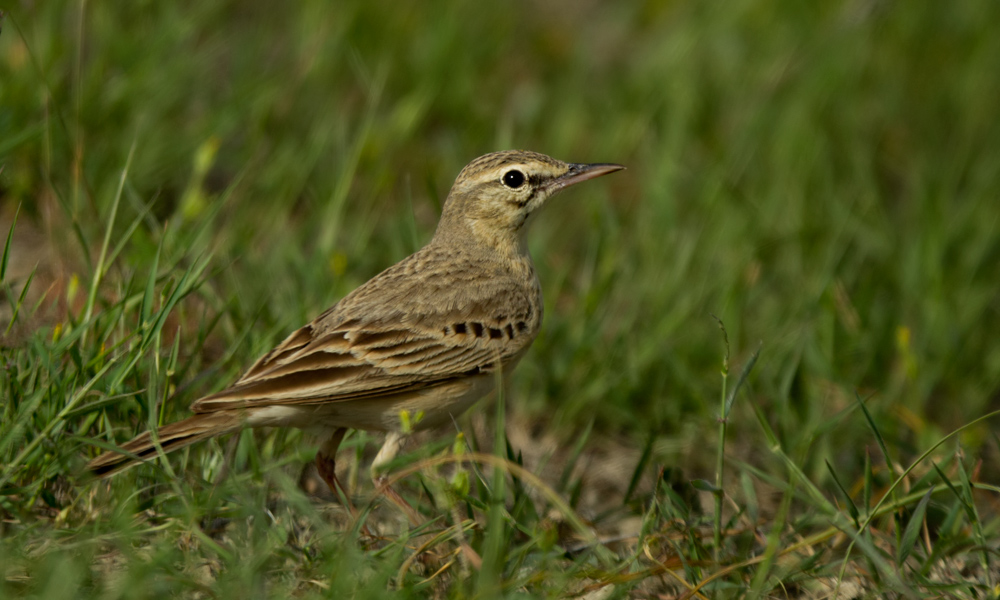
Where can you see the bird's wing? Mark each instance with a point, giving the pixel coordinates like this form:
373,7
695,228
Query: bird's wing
372,345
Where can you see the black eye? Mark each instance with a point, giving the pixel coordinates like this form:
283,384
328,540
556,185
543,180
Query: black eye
513,179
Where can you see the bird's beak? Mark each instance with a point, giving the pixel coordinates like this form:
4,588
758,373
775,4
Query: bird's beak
581,172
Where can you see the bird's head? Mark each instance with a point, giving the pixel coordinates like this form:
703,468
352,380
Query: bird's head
495,196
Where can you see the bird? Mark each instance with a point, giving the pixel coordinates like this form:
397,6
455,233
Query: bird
414,346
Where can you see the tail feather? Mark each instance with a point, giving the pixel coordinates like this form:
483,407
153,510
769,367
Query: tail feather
171,437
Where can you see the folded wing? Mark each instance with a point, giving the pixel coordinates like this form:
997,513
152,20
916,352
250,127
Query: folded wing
362,348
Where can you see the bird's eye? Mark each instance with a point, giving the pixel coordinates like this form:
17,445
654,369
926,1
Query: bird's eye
513,179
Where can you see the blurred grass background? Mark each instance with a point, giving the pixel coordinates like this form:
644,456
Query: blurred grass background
822,177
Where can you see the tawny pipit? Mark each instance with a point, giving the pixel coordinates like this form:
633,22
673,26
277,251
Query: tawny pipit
426,337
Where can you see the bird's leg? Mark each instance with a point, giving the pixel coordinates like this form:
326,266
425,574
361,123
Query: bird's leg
326,464
390,448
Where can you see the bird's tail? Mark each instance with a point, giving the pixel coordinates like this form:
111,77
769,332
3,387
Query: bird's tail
171,437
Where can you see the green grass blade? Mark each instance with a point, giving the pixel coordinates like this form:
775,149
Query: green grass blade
574,456
20,298
98,274
127,234
6,246
640,467
851,507
185,285
149,296
975,521
879,439
909,539
867,489
744,374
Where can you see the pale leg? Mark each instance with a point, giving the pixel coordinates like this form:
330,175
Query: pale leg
390,448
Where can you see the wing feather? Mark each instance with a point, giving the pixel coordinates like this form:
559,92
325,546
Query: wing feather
388,338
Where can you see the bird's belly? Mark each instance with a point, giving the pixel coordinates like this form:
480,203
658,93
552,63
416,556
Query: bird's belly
423,408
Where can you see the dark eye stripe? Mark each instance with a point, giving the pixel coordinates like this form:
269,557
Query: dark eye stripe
522,202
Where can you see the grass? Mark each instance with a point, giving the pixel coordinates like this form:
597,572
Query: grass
185,184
